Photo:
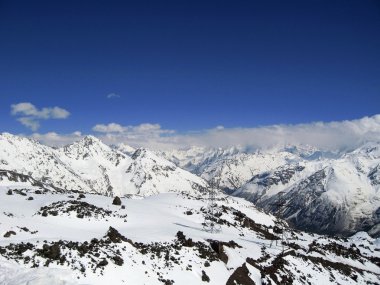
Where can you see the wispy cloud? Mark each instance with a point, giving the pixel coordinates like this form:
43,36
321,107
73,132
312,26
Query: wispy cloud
55,139
113,95
138,132
30,115
325,135
110,128
30,123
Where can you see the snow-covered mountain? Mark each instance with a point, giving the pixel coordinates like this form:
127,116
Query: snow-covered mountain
314,190
50,234
321,191
231,168
65,238
91,166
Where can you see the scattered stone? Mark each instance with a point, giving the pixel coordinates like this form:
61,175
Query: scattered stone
79,208
30,198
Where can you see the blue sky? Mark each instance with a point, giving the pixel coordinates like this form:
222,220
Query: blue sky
188,65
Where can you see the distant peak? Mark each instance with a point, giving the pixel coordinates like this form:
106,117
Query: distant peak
9,135
90,140
86,142
13,137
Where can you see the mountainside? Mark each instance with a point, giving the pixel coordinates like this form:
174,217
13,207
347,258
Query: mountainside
91,166
66,238
229,169
324,192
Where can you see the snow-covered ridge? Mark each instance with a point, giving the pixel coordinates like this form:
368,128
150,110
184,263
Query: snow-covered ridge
347,200
91,166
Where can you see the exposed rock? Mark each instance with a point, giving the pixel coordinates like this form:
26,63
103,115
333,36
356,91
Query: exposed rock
103,263
81,196
118,260
9,233
50,251
116,201
115,236
205,277
240,276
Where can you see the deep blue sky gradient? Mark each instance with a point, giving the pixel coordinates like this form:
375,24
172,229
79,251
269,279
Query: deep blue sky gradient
190,65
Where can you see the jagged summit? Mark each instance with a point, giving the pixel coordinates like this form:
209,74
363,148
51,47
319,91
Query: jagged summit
90,165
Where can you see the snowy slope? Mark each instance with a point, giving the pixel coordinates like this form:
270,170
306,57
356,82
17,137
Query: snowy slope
43,163
60,239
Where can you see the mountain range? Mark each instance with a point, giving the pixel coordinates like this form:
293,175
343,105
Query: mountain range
89,213
314,190
320,191
91,166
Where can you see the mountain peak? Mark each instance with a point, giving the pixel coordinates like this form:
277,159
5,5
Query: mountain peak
89,139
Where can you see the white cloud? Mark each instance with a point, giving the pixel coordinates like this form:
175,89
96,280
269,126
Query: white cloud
24,109
113,95
110,128
329,136
30,115
54,139
29,122
138,131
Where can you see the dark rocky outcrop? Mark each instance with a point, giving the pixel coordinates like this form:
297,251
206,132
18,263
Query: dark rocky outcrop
240,276
116,201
